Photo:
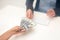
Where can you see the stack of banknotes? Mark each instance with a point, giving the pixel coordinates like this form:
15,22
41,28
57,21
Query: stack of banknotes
27,23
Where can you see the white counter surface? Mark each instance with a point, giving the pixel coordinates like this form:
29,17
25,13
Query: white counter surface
10,16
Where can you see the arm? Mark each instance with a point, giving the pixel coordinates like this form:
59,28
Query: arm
57,9
11,32
29,11
29,4
6,35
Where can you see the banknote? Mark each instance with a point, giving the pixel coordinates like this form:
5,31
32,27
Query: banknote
27,23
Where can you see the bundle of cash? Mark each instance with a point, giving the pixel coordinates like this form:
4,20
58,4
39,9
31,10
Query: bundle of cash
27,23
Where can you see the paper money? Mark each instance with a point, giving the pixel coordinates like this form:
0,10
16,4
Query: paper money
27,23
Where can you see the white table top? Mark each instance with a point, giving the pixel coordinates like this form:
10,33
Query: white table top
10,16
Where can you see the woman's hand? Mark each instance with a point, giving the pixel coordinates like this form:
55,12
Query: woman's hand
17,29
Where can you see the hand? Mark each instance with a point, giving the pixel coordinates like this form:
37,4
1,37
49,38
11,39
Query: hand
51,13
29,14
17,29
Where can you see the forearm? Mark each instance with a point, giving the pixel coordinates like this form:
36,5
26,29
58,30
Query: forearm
9,33
6,35
29,4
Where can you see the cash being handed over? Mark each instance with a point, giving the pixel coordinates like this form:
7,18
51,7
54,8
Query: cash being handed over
27,23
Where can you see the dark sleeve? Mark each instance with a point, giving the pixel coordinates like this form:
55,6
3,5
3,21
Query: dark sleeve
29,4
57,3
57,11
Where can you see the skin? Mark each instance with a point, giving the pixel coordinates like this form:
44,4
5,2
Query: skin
13,31
50,13
29,14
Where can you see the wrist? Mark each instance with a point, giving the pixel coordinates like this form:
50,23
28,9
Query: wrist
29,10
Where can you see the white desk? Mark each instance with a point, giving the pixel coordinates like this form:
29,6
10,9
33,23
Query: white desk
10,16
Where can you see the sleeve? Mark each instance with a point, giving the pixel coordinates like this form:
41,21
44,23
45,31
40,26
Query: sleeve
57,11
29,4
